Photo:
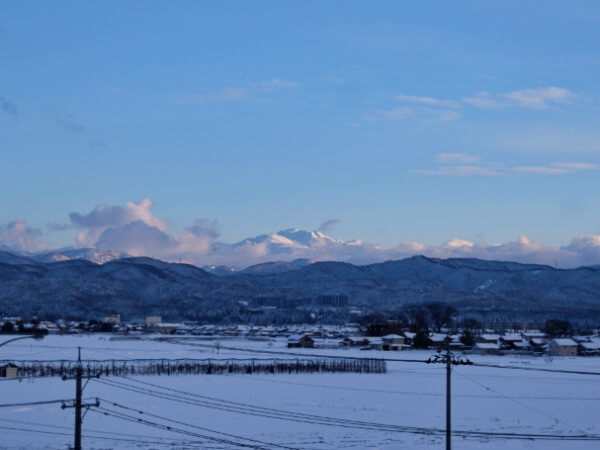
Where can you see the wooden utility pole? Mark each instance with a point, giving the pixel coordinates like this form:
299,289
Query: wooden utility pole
78,403
78,395
448,359
448,398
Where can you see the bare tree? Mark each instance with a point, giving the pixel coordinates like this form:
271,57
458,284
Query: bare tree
442,314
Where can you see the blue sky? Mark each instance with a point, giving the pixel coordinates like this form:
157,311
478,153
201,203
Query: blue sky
471,120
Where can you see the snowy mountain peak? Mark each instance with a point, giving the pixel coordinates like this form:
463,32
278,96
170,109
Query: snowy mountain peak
90,254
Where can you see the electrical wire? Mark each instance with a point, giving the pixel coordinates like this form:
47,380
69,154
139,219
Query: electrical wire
516,401
134,419
195,426
46,402
323,420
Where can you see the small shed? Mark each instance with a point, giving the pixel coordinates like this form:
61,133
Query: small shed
300,341
563,347
9,370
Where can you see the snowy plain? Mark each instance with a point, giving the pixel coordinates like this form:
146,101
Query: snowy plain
302,411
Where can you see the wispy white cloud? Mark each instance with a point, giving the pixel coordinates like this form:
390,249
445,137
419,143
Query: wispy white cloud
394,113
460,158
463,164
272,85
555,168
482,100
461,171
250,91
431,101
450,109
538,98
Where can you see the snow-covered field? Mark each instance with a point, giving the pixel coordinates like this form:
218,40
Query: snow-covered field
307,411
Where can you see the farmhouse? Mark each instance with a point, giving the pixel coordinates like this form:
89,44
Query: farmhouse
563,347
300,341
591,348
486,348
153,320
393,342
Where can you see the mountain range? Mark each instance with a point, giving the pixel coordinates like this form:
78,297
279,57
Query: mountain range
134,287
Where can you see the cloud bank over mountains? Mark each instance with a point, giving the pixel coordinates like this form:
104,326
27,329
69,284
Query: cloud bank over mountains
134,229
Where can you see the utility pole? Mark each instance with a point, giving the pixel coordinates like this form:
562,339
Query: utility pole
449,360
448,398
78,395
78,403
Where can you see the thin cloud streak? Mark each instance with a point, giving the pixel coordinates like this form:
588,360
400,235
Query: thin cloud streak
450,165
449,109
253,91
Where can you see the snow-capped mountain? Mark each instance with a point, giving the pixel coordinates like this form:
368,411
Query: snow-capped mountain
89,254
285,241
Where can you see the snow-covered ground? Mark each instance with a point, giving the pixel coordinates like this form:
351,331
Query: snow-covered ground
307,411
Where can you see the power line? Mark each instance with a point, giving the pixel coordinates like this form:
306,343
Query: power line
57,433
344,423
535,369
196,426
46,402
411,393
516,401
134,419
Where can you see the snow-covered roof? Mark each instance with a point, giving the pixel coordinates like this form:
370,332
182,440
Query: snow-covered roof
392,336
591,345
533,333
487,346
566,342
437,337
298,337
512,337
490,337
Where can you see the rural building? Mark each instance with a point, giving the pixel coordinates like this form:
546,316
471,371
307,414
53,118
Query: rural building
488,337
355,341
113,318
563,347
393,342
591,348
300,341
9,371
486,348
153,320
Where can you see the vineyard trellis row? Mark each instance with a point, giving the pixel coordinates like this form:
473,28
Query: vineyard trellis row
114,367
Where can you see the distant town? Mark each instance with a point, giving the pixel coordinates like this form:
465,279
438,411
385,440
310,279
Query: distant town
553,338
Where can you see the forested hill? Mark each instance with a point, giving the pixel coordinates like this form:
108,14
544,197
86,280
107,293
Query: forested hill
135,287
